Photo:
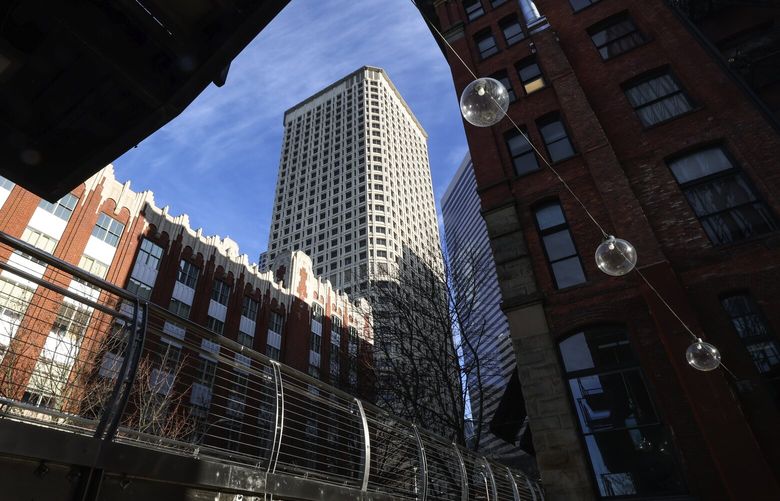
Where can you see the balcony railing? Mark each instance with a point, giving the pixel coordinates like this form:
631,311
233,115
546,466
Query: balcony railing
83,356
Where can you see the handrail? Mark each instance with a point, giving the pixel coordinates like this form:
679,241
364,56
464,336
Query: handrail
317,432
47,258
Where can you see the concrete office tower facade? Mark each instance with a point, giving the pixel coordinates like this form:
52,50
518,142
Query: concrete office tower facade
473,272
671,150
354,187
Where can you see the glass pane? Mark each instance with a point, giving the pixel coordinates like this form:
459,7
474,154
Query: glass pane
664,109
651,90
518,145
766,355
602,348
739,223
559,245
560,150
612,401
612,32
534,85
526,163
568,272
552,131
529,72
548,216
699,164
634,462
719,194
512,30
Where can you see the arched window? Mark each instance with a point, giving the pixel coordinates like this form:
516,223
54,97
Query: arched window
630,450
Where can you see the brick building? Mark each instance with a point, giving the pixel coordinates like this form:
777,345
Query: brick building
670,151
119,235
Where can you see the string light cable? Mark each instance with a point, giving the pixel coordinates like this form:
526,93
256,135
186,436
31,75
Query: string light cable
615,256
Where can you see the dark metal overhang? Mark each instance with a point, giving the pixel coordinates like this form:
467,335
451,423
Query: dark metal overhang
81,82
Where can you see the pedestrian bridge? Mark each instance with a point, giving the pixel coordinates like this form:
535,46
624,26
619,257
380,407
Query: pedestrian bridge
104,396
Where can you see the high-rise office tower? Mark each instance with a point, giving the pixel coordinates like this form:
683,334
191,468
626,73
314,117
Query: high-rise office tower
473,275
354,187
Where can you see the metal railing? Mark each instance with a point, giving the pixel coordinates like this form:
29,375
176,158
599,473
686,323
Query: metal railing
84,356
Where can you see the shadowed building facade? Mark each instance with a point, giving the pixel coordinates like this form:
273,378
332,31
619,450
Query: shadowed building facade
674,152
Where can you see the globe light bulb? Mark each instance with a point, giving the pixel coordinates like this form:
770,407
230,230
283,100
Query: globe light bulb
484,102
703,356
615,256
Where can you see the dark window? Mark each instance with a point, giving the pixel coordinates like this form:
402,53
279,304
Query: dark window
657,99
722,197
523,156
188,273
615,36
555,138
220,292
513,32
530,74
486,44
473,9
581,4
558,245
631,452
249,308
753,330
108,229
179,308
496,3
215,325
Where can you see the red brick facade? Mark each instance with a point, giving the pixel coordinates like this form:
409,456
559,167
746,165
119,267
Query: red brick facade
142,220
724,430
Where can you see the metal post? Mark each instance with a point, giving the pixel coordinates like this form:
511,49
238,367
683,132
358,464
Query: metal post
278,417
423,463
366,446
489,476
127,374
515,490
531,488
464,484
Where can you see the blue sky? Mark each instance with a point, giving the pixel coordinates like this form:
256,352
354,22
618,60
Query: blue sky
218,160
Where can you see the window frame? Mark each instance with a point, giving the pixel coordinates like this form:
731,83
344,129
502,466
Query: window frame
484,35
190,271
507,22
772,375
605,24
58,209
735,171
107,233
220,292
475,12
648,77
552,230
631,365
511,134
549,119
524,63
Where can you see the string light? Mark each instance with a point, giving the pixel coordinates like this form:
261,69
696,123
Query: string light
484,102
614,256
